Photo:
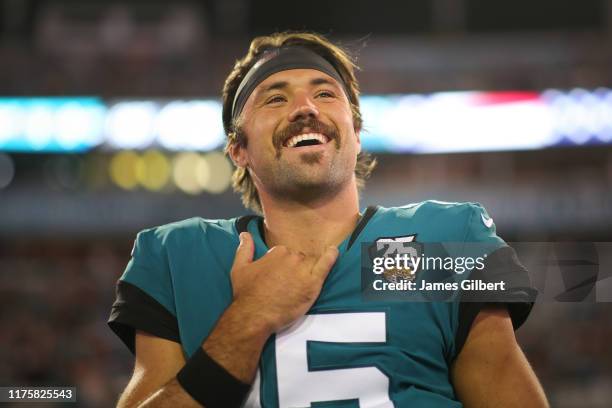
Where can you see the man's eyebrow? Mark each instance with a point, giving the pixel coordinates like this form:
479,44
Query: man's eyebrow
275,85
284,84
322,81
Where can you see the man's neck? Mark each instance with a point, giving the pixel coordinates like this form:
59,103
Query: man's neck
310,229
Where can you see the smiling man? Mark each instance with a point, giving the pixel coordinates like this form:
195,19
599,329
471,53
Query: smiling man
267,310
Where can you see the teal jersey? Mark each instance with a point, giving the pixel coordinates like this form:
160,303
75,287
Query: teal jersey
346,351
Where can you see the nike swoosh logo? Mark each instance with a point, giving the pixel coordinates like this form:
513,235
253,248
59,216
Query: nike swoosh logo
488,222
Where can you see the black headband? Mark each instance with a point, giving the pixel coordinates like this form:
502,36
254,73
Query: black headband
281,59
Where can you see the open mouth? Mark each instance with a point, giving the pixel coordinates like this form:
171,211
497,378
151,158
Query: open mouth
306,139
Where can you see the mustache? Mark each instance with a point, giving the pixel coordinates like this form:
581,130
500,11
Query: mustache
296,128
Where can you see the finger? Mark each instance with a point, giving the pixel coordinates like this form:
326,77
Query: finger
245,250
325,262
280,251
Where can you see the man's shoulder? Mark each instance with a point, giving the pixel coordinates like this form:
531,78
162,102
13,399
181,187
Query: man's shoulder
191,229
433,220
434,208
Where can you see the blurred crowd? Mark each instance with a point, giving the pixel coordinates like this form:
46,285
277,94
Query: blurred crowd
56,297
110,50
185,48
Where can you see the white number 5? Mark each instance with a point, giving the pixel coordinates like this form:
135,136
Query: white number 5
298,387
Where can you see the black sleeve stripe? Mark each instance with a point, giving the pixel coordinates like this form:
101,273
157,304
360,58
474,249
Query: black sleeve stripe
467,314
502,264
135,310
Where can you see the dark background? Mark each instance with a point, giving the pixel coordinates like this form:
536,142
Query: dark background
66,230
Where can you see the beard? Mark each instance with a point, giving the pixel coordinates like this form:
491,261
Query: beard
310,181
315,177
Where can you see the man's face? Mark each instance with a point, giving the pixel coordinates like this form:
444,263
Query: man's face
301,143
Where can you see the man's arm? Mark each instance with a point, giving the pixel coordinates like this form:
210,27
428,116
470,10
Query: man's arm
491,369
157,362
235,343
266,298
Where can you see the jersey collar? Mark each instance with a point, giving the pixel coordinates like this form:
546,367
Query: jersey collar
246,224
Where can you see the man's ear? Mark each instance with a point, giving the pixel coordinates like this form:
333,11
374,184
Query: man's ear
238,155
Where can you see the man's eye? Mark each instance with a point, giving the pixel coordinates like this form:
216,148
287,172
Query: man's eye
275,99
326,94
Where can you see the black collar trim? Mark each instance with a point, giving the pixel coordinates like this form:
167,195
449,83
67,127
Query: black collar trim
242,224
367,215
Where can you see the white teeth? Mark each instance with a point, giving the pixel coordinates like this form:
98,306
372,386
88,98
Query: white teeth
307,136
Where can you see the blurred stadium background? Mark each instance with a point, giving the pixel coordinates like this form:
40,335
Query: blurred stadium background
110,123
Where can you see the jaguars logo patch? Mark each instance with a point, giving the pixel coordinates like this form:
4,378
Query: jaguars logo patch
392,246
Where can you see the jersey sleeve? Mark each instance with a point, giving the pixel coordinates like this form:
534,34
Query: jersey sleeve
144,296
501,264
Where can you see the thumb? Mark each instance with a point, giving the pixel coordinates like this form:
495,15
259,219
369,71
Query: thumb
325,262
245,250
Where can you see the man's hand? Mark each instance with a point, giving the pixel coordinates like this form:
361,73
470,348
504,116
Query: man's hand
282,285
269,294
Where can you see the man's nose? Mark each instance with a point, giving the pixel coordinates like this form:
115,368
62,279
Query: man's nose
304,108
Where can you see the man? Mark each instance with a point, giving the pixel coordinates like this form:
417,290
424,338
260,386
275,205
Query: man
268,311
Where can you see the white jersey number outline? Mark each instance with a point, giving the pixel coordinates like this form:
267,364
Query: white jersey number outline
298,387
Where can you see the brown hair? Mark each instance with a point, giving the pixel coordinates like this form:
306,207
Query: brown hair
341,61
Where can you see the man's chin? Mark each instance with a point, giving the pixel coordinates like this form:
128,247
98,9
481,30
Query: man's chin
313,186
312,159
308,194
